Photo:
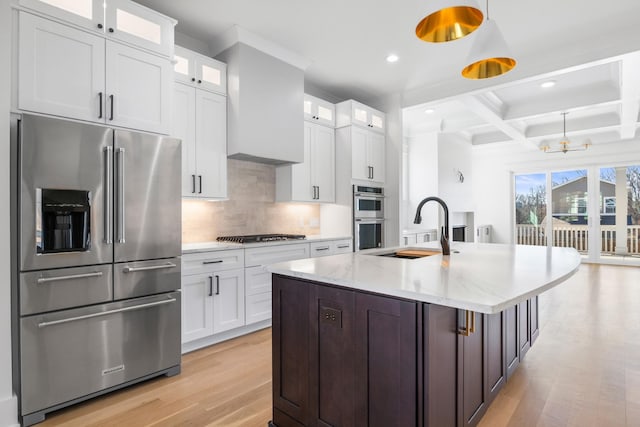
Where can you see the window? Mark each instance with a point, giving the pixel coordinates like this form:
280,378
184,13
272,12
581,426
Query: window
609,205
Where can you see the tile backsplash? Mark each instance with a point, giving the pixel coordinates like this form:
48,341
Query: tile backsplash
250,208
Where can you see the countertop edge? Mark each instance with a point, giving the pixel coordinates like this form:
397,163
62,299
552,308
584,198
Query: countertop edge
189,248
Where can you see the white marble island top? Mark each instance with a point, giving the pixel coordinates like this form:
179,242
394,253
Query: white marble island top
486,278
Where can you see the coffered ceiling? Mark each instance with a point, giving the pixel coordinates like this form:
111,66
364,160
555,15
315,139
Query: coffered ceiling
583,45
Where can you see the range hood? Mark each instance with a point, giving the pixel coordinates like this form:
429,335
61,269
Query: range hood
265,99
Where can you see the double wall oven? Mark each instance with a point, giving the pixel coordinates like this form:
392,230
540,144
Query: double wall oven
96,267
368,217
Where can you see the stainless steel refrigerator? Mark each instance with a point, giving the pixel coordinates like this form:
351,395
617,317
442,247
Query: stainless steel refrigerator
96,267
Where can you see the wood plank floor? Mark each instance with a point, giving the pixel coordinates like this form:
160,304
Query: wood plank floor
584,370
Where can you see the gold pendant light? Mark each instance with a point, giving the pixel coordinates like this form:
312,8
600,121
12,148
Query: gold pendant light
447,20
489,56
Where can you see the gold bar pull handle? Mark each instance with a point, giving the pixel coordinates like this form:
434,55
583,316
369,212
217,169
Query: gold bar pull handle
469,325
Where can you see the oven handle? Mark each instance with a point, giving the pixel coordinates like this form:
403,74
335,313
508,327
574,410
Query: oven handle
369,196
73,276
108,195
150,267
106,313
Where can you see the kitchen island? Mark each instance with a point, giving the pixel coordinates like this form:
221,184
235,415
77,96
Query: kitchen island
370,339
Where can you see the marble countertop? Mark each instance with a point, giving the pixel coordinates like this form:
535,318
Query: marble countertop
483,277
219,246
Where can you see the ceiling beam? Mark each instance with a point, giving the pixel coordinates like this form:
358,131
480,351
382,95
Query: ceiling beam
630,97
489,110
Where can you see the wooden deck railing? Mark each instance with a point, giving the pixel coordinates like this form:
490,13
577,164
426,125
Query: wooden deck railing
577,236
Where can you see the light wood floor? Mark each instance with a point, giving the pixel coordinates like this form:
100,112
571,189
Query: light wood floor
584,370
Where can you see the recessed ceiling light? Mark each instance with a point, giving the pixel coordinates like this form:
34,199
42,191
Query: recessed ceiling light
429,111
547,85
392,58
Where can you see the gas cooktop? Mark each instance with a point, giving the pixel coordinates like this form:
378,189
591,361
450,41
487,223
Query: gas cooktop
255,238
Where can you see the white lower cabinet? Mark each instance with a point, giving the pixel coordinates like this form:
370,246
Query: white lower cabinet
228,300
197,309
227,293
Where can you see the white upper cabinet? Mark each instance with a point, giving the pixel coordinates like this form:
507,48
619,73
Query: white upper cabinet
200,121
138,89
200,71
123,20
367,155
68,72
319,111
354,113
314,179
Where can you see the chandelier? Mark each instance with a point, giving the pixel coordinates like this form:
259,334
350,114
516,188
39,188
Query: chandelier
564,142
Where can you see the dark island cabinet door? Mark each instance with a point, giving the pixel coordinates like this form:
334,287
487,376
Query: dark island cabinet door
386,379
440,365
290,352
496,340
524,319
534,326
331,357
472,373
512,342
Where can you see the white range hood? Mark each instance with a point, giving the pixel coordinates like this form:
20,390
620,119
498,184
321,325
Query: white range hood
265,100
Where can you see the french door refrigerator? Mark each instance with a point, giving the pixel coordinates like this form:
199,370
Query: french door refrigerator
96,267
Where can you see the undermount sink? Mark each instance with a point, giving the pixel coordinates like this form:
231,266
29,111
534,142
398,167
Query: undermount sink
409,253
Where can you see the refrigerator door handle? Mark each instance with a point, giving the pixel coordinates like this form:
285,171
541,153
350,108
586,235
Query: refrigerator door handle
150,267
105,313
121,190
108,195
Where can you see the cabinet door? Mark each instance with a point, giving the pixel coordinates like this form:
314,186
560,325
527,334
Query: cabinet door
472,389
60,70
323,164
139,89
228,300
211,74
184,127
301,185
376,156
360,167
211,140
524,326
84,13
385,360
534,325
496,368
258,307
290,351
133,23
512,354
197,307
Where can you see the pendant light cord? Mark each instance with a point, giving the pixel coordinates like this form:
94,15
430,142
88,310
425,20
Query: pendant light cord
487,10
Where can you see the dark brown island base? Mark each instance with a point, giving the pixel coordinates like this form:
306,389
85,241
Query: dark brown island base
348,357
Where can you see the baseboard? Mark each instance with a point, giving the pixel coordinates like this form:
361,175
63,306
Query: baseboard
9,412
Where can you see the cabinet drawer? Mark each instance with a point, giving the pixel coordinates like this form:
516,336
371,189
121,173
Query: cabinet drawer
321,249
258,307
273,254
207,262
343,246
257,280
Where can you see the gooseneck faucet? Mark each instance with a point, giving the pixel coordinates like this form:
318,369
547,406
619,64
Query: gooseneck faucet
444,236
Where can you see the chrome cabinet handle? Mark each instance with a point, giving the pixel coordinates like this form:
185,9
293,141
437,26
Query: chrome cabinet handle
69,277
218,261
343,246
217,285
121,199
324,248
105,313
108,195
100,100
147,268
210,286
111,99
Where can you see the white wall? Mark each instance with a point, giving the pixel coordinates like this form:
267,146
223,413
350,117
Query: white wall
422,180
455,155
8,408
493,168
